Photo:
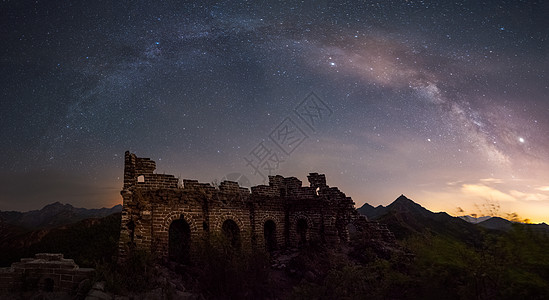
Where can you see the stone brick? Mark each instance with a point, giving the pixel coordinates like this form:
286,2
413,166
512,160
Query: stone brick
66,278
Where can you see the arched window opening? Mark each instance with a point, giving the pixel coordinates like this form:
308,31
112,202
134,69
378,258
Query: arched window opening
131,228
179,243
205,226
269,232
351,229
232,233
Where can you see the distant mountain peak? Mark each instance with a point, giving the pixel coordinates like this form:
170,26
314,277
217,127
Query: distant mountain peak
403,199
497,223
404,217
56,204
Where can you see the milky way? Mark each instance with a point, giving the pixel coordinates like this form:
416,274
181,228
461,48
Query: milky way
443,101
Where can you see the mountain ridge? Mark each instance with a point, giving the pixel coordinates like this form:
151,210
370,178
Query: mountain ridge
53,215
404,217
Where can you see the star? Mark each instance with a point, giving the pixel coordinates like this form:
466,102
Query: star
177,81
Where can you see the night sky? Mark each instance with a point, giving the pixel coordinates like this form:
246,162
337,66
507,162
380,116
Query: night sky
446,102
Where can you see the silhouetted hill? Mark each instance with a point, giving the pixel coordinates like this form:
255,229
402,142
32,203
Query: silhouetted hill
55,214
404,217
405,205
366,209
87,241
501,224
496,223
543,228
372,212
400,205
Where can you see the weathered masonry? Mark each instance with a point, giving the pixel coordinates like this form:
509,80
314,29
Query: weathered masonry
167,219
45,272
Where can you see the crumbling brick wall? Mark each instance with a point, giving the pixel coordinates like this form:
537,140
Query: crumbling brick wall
45,272
282,214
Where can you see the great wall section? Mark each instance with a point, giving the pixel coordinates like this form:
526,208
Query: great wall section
168,219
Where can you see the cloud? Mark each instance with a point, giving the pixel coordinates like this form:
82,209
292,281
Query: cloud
492,180
543,188
485,192
529,196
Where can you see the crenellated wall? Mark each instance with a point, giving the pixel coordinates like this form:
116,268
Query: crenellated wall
168,220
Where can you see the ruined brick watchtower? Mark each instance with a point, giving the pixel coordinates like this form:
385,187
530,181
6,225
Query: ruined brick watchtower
167,219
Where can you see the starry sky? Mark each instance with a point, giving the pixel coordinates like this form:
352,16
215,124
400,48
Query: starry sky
443,101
